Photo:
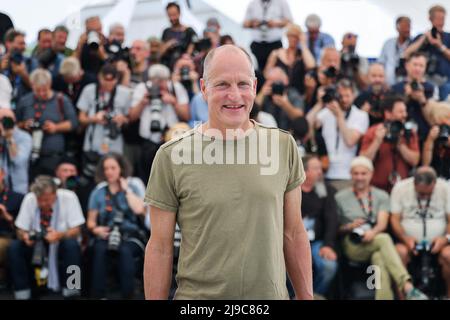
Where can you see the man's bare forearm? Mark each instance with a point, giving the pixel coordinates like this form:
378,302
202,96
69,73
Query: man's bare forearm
157,271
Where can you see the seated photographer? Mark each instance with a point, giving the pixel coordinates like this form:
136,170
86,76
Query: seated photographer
435,43
15,152
184,72
392,146
44,54
321,222
295,60
9,208
326,74
436,149
15,66
420,219
417,91
48,228
139,54
279,99
391,56
103,110
353,66
72,79
342,125
370,100
91,47
48,116
116,219
364,216
159,103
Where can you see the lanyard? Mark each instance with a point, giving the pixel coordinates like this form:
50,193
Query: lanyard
369,211
38,110
347,115
423,213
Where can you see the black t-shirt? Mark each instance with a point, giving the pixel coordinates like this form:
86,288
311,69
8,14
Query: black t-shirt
90,61
12,204
73,91
324,211
376,112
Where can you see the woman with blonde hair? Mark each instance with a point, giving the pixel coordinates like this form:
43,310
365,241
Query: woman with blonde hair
295,60
436,149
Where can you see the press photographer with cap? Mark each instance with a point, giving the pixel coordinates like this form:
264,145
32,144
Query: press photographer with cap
364,216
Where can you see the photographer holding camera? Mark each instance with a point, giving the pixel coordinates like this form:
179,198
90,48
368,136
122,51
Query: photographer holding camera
159,104
48,116
47,57
15,65
392,146
417,91
185,73
118,53
91,46
342,125
436,149
371,99
15,145
435,43
420,220
353,66
48,227
116,219
9,208
279,99
266,18
392,54
177,39
364,216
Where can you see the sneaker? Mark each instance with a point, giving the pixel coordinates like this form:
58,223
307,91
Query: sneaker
416,294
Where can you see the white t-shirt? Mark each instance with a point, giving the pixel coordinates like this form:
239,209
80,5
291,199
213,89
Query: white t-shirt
276,10
404,202
5,92
66,209
340,155
168,114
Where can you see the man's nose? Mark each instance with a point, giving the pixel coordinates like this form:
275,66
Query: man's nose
233,92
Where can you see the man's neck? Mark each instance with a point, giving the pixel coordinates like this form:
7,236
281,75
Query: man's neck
363,192
402,39
307,186
140,67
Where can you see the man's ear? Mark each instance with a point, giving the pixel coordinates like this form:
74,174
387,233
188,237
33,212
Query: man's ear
255,86
203,88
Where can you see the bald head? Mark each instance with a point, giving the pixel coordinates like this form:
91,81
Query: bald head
226,54
376,74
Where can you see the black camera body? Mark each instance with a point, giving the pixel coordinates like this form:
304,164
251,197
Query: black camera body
434,32
331,72
115,236
444,133
393,131
38,235
331,94
117,53
16,57
35,125
415,85
47,58
8,123
203,44
113,129
278,88
375,101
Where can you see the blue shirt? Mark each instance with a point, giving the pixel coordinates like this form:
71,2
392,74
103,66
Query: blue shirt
199,110
17,170
324,40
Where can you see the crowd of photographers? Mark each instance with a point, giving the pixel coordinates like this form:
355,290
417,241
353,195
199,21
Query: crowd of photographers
79,130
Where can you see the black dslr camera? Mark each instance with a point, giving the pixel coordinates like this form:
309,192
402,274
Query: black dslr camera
113,129
115,237
16,57
356,235
278,88
117,52
331,73
415,85
444,133
393,131
156,105
331,94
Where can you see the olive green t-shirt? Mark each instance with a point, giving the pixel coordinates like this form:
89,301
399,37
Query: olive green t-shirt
230,212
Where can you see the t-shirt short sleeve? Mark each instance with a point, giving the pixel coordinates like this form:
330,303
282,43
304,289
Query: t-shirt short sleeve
161,191
360,122
95,199
296,171
74,213
86,97
27,211
395,200
384,202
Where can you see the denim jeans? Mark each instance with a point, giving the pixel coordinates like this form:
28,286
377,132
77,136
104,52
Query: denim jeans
69,253
126,264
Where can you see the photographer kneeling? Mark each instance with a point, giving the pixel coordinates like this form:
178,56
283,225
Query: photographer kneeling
48,225
364,215
115,218
393,146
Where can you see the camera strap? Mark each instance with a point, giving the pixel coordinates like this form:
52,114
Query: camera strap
347,115
369,212
423,214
